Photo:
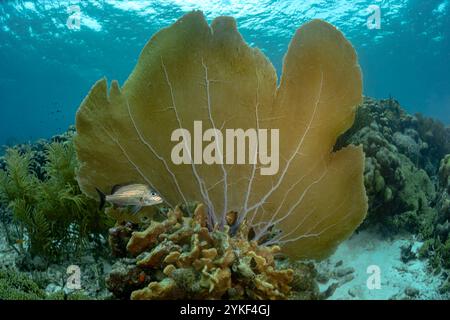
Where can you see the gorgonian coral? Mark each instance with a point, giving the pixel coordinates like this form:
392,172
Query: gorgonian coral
192,73
48,215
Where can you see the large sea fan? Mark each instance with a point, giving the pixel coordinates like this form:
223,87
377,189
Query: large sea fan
193,72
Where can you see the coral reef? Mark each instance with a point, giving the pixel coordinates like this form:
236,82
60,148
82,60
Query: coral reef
16,286
444,173
408,191
437,247
437,138
400,166
443,200
191,72
179,258
43,210
423,140
48,269
37,150
406,176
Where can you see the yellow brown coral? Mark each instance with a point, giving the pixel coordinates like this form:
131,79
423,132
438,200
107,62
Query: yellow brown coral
190,72
200,264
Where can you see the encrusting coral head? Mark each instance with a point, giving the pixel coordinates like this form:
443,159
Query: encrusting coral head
197,263
192,75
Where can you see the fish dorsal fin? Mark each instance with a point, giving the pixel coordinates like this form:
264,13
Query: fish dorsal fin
116,187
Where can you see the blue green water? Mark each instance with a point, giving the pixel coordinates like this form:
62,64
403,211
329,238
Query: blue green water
46,68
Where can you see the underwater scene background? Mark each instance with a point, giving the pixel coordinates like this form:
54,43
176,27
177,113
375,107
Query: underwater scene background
47,67
56,243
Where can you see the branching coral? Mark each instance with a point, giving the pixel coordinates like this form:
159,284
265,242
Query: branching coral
50,217
198,264
192,72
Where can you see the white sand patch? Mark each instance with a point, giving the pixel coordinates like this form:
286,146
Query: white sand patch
367,249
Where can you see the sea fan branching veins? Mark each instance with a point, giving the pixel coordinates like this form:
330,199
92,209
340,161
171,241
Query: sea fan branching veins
192,72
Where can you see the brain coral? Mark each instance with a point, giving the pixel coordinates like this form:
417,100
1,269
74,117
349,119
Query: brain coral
190,72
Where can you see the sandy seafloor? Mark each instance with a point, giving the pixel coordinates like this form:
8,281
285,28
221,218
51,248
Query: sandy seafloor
399,280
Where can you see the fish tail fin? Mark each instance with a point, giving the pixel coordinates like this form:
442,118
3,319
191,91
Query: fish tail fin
102,198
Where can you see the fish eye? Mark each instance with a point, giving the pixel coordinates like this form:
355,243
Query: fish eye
153,193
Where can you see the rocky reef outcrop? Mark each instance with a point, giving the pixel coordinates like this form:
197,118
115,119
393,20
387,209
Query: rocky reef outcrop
402,162
406,175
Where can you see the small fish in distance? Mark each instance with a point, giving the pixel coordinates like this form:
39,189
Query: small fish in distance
134,195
